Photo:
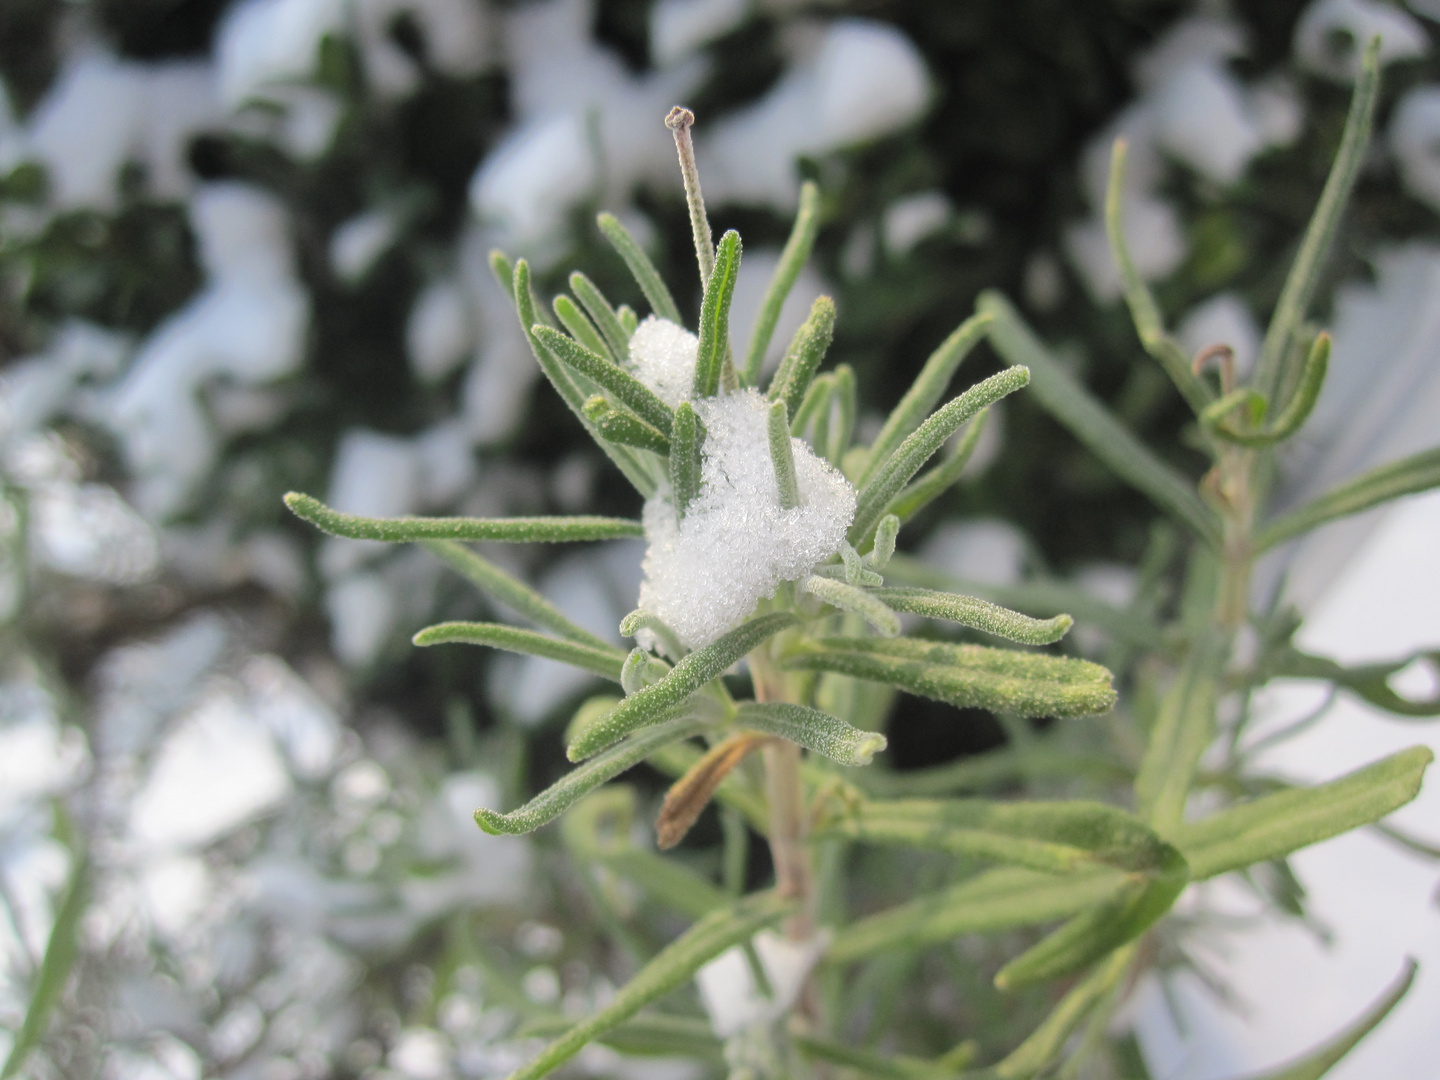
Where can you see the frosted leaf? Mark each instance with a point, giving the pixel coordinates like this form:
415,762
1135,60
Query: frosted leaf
662,355
705,573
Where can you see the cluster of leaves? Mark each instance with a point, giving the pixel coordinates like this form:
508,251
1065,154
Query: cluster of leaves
1108,874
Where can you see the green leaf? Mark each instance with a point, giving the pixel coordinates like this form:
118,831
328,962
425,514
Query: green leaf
929,386
514,594
605,662
921,444
968,676
715,317
621,426
503,269
1057,837
686,437
1312,378
1065,398
976,614
782,456
628,389
1000,899
646,1035
641,268
818,731
1419,472
792,261
581,328
577,783
55,966
1046,1042
855,600
937,481
674,966
838,440
1323,1058
1273,826
1038,596
995,769
602,314
529,530
1091,935
802,359
882,550
886,1066
640,619
1143,309
635,470
641,670
1369,682
1183,730
655,702
1304,276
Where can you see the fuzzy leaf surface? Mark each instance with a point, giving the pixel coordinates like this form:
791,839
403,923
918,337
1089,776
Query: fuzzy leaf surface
968,676
1273,826
654,702
977,614
818,731
576,784
520,530
513,593
792,260
641,268
715,317
631,391
604,661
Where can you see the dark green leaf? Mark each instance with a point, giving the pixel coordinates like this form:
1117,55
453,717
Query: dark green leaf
628,389
715,317
802,359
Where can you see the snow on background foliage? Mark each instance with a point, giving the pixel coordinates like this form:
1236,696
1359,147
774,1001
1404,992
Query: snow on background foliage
273,852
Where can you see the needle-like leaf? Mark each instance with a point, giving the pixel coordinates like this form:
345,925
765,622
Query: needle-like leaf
921,444
782,456
686,437
929,386
628,389
621,426
792,261
826,735
715,317
655,703
802,359
512,530
641,268
606,662
602,314
976,614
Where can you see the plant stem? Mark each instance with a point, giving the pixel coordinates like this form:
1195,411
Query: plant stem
680,121
785,793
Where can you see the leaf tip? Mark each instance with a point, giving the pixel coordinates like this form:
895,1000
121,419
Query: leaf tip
489,821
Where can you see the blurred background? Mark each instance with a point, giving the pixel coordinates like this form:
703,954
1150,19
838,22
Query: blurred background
242,251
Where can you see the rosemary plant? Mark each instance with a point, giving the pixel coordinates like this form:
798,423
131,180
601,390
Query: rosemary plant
772,541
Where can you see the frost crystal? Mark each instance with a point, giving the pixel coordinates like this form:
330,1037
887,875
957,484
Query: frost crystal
705,573
662,355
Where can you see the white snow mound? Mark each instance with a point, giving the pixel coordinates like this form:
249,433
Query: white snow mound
662,356
705,573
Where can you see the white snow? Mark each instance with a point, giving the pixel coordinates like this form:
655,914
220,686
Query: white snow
439,332
1332,34
862,79
909,220
985,550
1194,111
455,36
356,246
214,772
727,985
1415,142
247,325
679,27
662,356
706,572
